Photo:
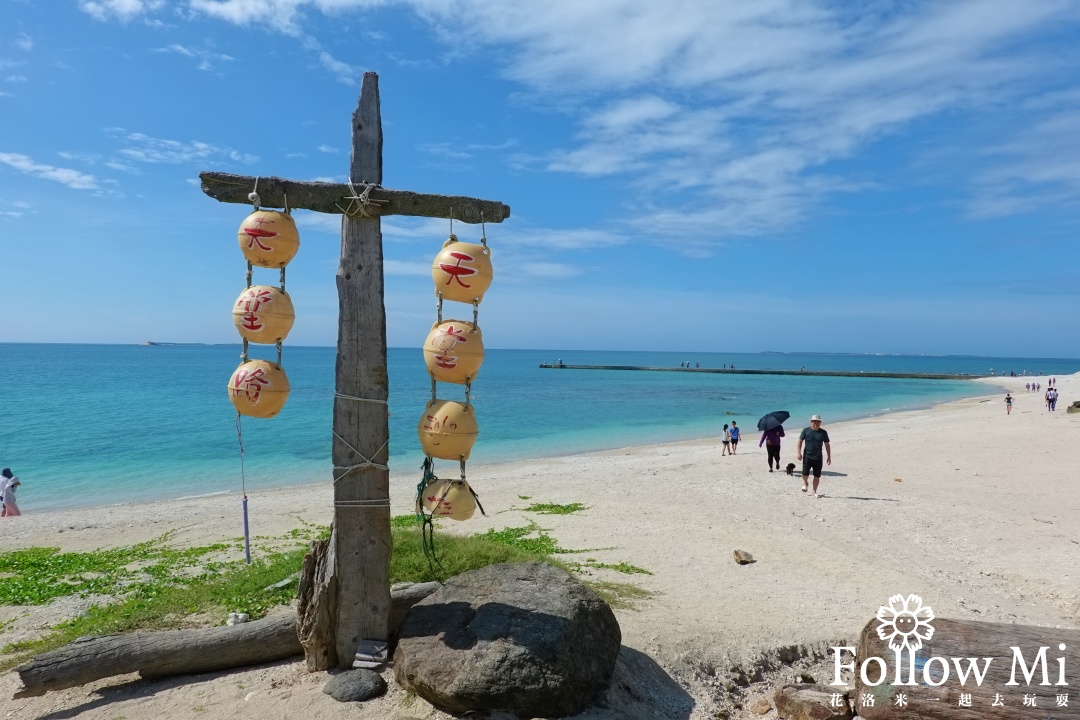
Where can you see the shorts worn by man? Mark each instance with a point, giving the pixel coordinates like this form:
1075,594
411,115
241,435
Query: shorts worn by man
811,441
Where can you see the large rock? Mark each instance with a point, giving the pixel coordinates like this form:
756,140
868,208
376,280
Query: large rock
355,686
523,638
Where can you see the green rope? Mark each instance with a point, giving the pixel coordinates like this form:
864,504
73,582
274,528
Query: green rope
427,528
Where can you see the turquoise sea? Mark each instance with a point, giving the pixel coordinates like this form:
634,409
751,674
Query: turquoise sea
87,425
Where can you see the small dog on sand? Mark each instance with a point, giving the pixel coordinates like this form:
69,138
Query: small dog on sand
791,468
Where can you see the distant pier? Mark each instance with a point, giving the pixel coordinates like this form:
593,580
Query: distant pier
741,371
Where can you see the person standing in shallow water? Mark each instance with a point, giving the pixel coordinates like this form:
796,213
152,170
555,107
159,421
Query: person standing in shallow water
811,441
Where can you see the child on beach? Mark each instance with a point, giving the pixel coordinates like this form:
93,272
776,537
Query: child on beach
8,483
727,441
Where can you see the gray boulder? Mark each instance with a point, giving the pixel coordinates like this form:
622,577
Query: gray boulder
525,638
355,685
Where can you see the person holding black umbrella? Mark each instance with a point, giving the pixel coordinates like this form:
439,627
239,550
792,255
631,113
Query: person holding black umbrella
772,430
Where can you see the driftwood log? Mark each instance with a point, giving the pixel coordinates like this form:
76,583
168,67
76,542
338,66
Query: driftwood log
971,639
334,198
180,652
159,654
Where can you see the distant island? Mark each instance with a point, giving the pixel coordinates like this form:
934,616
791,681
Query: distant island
146,343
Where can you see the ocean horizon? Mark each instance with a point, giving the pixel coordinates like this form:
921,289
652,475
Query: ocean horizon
91,425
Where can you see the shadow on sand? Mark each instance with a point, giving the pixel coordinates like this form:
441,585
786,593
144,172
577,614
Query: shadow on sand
137,687
640,690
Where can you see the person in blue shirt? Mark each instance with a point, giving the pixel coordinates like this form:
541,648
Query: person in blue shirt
734,436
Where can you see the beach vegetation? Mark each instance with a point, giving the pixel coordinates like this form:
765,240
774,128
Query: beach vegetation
152,586
554,509
619,595
622,567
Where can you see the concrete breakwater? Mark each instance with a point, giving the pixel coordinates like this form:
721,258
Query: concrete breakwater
741,371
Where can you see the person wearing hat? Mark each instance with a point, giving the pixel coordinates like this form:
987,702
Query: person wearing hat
811,441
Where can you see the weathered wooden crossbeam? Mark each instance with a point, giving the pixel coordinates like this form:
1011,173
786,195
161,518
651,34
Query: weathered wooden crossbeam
335,198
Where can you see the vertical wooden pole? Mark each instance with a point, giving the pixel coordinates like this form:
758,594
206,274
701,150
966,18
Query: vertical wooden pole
362,533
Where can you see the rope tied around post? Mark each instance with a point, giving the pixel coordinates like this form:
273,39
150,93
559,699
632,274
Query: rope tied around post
360,202
368,462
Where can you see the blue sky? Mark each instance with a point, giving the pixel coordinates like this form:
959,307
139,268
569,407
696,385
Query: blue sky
693,175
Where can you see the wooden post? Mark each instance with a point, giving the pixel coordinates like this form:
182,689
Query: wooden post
345,583
361,428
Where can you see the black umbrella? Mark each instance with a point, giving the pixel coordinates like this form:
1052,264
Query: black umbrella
773,420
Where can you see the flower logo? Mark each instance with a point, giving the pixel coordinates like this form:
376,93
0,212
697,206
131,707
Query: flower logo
905,622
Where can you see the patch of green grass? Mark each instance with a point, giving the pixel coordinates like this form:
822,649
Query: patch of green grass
162,606
524,497
518,537
624,568
404,521
619,595
42,574
154,588
458,553
553,509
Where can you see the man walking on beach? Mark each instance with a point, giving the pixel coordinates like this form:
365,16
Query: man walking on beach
734,437
811,441
1008,404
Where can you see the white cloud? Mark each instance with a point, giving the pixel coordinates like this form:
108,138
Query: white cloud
401,267
344,72
206,58
16,78
24,42
327,149
72,178
725,117
146,149
464,151
123,10
1040,167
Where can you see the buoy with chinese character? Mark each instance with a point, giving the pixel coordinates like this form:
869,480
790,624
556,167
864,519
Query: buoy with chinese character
259,388
454,351
452,499
263,314
462,271
447,430
268,238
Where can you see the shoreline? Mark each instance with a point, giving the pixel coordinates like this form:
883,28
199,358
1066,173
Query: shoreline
267,486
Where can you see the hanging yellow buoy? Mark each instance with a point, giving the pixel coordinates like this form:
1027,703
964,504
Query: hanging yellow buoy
462,271
268,238
449,498
453,351
447,430
263,314
259,388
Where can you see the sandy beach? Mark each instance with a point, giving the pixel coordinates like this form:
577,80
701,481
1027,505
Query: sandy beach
970,508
